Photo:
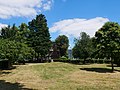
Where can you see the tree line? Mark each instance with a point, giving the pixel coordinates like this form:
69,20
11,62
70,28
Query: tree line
33,42
30,42
105,44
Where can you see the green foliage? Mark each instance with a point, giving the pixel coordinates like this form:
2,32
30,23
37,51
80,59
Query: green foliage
15,40
14,51
39,37
62,43
63,58
108,39
108,42
9,32
83,46
22,34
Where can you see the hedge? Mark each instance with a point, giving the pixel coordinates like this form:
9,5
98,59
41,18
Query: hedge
80,61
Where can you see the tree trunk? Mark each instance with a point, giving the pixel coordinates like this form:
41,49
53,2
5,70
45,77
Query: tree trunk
84,61
112,64
35,56
38,58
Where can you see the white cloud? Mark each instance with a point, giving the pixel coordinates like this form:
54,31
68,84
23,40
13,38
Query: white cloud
2,25
22,8
73,27
47,5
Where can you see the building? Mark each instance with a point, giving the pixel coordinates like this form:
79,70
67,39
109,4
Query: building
70,54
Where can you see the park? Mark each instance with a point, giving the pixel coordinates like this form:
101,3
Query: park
30,60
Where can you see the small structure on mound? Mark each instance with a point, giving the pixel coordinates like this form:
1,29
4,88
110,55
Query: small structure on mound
5,64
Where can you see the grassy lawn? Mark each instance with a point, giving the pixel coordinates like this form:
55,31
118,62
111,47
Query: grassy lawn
60,76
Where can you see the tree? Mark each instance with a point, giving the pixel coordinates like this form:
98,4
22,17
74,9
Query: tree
39,37
22,34
108,40
83,47
9,32
5,32
62,43
14,51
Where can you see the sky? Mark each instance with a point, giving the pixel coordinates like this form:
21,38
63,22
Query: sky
64,17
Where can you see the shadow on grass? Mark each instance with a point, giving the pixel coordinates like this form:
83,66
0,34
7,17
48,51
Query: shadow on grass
6,71
2,72
10,68
99,70
11,86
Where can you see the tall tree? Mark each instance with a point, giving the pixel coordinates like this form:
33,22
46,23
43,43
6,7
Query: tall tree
83,47
108,40
62,43
39,37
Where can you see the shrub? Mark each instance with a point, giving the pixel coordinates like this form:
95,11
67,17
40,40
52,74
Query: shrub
63,58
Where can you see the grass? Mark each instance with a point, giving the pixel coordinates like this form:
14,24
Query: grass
60,76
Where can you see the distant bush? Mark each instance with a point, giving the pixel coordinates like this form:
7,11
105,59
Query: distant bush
63,58
80,61
100,61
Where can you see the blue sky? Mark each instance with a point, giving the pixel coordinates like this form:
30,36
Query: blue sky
69,17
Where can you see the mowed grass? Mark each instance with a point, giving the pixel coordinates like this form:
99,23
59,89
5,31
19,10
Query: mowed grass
60,76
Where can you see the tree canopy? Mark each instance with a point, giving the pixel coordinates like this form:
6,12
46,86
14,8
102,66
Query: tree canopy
83,46
62,43
108,38
14,51
39,37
